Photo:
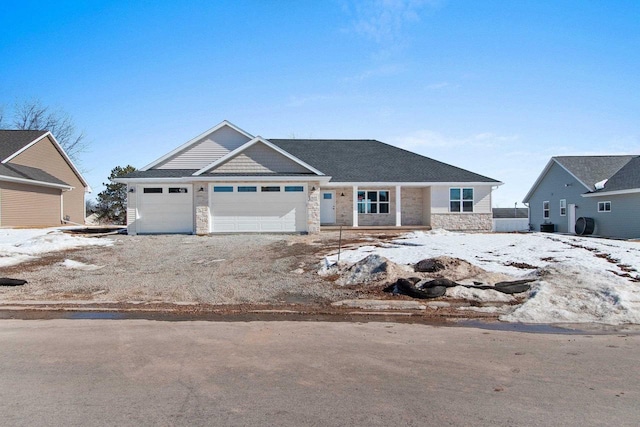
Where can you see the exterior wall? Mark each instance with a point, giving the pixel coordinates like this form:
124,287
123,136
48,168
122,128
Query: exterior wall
313,208
440,199
623,220
411,208
463,222
260,159
426,206
202,212
380,219
209,149
44,155
29,205
344,210
132,211
558,184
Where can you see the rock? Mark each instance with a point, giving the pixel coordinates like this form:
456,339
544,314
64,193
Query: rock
429,265
370,269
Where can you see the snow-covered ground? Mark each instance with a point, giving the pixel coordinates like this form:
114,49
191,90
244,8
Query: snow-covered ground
580,279
20,245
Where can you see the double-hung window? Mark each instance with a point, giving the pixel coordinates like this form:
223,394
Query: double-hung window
604,206
563,207
373,202
545,209
461,200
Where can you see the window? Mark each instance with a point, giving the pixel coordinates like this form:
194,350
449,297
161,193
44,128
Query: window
245,189
545,209
294,188
373,202
327,196
563,207
173,190
153,190
223,189
270,188
461,200
604,206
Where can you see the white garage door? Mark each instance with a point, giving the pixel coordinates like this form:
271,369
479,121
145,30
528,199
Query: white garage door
165,209
258,208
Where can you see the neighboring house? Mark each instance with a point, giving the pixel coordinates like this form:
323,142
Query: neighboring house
507,220
39,185
605,189
226,180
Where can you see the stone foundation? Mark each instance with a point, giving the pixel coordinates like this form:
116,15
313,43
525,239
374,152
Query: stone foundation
313,209
463,222
202,207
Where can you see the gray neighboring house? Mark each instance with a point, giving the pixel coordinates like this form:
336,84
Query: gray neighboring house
603,188
506,220
227,181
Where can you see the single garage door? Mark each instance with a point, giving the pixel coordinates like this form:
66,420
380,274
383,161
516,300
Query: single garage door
165,209
258,208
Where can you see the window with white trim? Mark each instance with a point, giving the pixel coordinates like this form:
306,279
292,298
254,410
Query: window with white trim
373,202
604,206
461,200
545,209
563,207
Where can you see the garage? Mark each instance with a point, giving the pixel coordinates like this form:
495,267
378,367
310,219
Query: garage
258,208
165,209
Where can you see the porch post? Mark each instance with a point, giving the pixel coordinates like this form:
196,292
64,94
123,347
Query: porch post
355,206
398,206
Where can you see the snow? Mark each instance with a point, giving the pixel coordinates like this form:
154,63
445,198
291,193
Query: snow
579,278
77,265
20,245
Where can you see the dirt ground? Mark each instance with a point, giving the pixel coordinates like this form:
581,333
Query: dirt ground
231,273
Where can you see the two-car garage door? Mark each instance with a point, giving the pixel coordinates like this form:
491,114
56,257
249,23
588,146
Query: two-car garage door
258,208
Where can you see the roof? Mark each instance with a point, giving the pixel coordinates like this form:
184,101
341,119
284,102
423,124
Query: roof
26,172
592,169
627,178
501,213
373,161
12,141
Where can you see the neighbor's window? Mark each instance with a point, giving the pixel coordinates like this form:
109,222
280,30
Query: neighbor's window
604,206
373,202
545,209
563,207
461,200
178,190
293,188
223,189
270,188
245,189
152,190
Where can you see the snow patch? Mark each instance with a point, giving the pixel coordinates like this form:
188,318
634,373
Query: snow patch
77,265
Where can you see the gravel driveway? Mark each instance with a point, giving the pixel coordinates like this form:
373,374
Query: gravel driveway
221,269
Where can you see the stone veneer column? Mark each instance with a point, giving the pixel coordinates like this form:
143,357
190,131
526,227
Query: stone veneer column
201,199
313,208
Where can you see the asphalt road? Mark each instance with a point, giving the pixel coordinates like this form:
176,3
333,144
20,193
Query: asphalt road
140,372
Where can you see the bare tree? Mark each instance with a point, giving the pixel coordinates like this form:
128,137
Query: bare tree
32,115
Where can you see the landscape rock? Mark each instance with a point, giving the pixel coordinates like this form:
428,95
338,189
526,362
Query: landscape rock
429,265
371,269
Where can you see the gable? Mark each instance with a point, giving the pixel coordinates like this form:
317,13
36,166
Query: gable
259,159
44,155
12,141
206,149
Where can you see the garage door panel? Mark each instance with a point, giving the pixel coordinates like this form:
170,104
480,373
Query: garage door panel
258,212
165,212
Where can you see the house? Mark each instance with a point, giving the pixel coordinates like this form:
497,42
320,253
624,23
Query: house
506,220
39,184
603,190
227,180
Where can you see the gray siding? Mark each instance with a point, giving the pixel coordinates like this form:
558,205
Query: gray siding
260,158
622,222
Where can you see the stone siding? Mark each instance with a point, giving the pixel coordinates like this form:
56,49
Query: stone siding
202,208
313,208
411,207
463,222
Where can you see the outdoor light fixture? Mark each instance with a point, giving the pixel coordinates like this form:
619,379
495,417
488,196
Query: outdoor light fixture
132,190
313,188
201,189
341,194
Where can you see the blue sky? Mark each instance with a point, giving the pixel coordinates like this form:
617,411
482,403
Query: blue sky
497,87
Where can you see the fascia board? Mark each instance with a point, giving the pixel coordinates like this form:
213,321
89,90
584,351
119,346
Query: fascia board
60,150
196,139
34,182
612,193
280,178
244,147
412,184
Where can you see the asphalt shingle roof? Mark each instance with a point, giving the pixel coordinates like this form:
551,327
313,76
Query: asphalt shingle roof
27,172
14,140
373,161
592,169
626,178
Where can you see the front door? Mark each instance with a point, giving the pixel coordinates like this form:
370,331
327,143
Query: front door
572,218
327,207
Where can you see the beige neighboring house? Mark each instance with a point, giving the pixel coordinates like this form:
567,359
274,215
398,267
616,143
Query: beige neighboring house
39,185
